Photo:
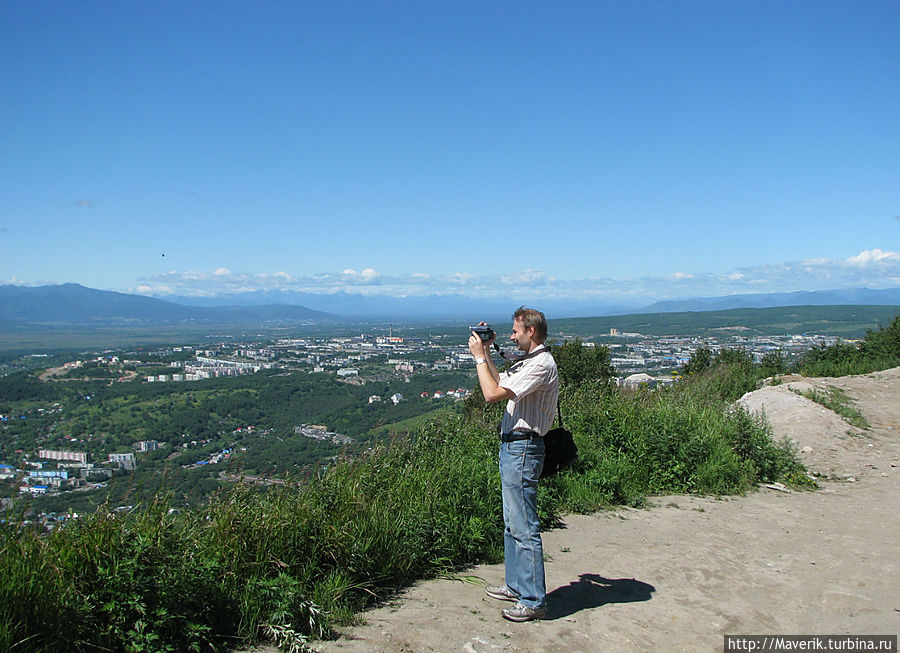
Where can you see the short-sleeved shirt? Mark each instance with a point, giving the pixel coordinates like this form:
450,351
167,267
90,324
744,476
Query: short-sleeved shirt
535,382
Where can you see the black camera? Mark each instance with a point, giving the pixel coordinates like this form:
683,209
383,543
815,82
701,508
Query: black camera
483,331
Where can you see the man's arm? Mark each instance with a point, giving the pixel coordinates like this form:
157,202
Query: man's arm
488,376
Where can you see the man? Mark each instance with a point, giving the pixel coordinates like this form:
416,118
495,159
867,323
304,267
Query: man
531,388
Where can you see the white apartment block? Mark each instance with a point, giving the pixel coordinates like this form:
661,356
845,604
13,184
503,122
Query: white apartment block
75,456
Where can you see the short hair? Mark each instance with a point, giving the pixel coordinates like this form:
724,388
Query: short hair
532,318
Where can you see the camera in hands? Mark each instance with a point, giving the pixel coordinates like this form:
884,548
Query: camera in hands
483,331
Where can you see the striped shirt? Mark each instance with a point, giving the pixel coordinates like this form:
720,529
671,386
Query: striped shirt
535,382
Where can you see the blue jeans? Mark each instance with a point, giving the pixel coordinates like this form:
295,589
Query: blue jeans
521,462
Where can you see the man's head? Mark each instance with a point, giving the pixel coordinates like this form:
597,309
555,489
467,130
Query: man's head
529,327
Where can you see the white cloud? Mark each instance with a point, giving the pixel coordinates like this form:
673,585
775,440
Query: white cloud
526,278
873,256
873,269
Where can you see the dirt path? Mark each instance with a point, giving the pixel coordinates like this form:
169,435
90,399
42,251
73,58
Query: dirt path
681,575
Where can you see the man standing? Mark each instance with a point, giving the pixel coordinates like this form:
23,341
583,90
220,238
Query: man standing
531,388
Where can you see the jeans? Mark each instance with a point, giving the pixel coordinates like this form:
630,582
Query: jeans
521,462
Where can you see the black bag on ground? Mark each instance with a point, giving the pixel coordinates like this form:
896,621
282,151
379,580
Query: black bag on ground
560,450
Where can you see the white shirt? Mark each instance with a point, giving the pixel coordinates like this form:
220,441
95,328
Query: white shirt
535,382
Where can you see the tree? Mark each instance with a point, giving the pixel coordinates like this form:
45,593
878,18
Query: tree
773,362
884,343
700,360
578,363
737,356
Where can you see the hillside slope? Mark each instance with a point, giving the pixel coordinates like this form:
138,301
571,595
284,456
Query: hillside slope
679,576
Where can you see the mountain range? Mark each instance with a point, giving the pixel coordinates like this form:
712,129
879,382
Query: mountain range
73,304
453,306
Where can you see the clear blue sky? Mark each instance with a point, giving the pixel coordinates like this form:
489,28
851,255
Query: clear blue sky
608,149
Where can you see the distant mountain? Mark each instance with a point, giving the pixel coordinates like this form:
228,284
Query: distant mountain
73,304
847,296
460,307
363,307
425,308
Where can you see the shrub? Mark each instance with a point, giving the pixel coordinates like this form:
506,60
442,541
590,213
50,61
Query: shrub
633,444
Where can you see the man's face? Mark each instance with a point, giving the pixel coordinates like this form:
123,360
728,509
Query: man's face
521,336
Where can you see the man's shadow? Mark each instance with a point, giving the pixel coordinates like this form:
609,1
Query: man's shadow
592,591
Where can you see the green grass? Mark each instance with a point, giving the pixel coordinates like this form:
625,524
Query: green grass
838,401
406,426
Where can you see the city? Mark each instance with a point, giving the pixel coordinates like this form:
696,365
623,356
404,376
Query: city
74,462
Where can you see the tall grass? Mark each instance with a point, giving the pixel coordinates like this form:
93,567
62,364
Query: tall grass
636,443
290,562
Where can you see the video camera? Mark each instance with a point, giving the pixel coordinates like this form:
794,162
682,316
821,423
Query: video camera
483,331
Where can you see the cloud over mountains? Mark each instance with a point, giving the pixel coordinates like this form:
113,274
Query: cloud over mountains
873,268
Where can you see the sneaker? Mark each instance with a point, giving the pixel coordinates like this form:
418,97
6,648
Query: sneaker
521,612
501,593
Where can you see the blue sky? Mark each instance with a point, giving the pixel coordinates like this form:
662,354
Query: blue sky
615,150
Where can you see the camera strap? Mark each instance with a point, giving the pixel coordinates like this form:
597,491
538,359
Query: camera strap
513,358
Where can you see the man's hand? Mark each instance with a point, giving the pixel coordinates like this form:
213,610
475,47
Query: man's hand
488,378
479,348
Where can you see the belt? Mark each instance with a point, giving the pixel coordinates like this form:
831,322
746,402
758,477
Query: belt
518,435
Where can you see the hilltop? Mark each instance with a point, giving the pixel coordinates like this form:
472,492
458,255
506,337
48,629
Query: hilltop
687,571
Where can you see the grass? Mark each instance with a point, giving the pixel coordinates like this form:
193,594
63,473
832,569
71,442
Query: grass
408,425
838,401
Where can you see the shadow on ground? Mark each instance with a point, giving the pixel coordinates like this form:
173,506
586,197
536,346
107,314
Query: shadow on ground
592,591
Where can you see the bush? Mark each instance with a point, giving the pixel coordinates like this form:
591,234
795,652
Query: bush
632,444
726,377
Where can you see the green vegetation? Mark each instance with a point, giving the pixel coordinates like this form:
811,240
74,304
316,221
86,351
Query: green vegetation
194,421
879,350
836,400
579,364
